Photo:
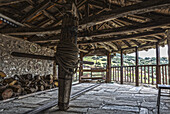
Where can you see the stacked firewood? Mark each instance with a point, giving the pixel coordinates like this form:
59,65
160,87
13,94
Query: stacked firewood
25,84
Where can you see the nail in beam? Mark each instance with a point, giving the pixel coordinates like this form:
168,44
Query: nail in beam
65,79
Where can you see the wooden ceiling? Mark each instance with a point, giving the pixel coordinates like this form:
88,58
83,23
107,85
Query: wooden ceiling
104,25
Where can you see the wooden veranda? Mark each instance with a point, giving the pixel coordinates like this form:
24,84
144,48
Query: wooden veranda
89,27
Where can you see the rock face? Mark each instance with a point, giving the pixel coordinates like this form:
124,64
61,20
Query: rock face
15,65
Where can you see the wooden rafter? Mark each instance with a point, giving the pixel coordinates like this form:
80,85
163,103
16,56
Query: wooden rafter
36,10
133,36
131,28
9,2
143,7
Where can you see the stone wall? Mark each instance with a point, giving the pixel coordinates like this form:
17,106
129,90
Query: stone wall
17,65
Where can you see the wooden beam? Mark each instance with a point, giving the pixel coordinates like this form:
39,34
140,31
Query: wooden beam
126,43
49,15
43,39
133,36
111,45
10,2
33,56
136,42
142,7
11,20
31,31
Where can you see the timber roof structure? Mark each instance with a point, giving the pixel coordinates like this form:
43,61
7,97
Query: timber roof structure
104,25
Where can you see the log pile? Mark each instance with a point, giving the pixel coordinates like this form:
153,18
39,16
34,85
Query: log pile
25,84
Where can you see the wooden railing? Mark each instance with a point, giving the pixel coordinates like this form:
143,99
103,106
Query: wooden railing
146,73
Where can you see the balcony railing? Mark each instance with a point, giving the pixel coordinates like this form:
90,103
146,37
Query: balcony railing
146,73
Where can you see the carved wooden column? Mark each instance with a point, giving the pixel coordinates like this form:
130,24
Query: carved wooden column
158,75
81,67
68,34
121,69
108,71
168,41
137,70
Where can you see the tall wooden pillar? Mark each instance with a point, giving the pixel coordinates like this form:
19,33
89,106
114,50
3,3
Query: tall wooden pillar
158,76
68,34
81,67
137,70
121,69
108,71
168,41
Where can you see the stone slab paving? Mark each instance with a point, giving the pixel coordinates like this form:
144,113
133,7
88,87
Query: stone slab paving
23,105
116,99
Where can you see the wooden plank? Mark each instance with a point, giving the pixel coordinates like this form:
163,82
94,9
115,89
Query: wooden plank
142,7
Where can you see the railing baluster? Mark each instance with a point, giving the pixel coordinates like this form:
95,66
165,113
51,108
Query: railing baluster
166,75
145,74
141,75
163,75
130,73
113,73
127,74
133,74
148,76
152,76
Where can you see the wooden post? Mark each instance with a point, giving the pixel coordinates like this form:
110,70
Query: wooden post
137,70
68,34
121,70
158,76
168,41
81,67
108,71
54,71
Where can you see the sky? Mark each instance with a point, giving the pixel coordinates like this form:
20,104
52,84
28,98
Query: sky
152,52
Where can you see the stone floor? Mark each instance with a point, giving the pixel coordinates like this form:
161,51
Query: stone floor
116,99
104,99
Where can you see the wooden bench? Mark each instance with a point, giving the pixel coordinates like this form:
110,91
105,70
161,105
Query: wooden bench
159,94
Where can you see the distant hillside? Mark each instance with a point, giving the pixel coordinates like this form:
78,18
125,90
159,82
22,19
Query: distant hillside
101,61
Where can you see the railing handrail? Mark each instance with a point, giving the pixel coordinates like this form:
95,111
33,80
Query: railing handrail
138,66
